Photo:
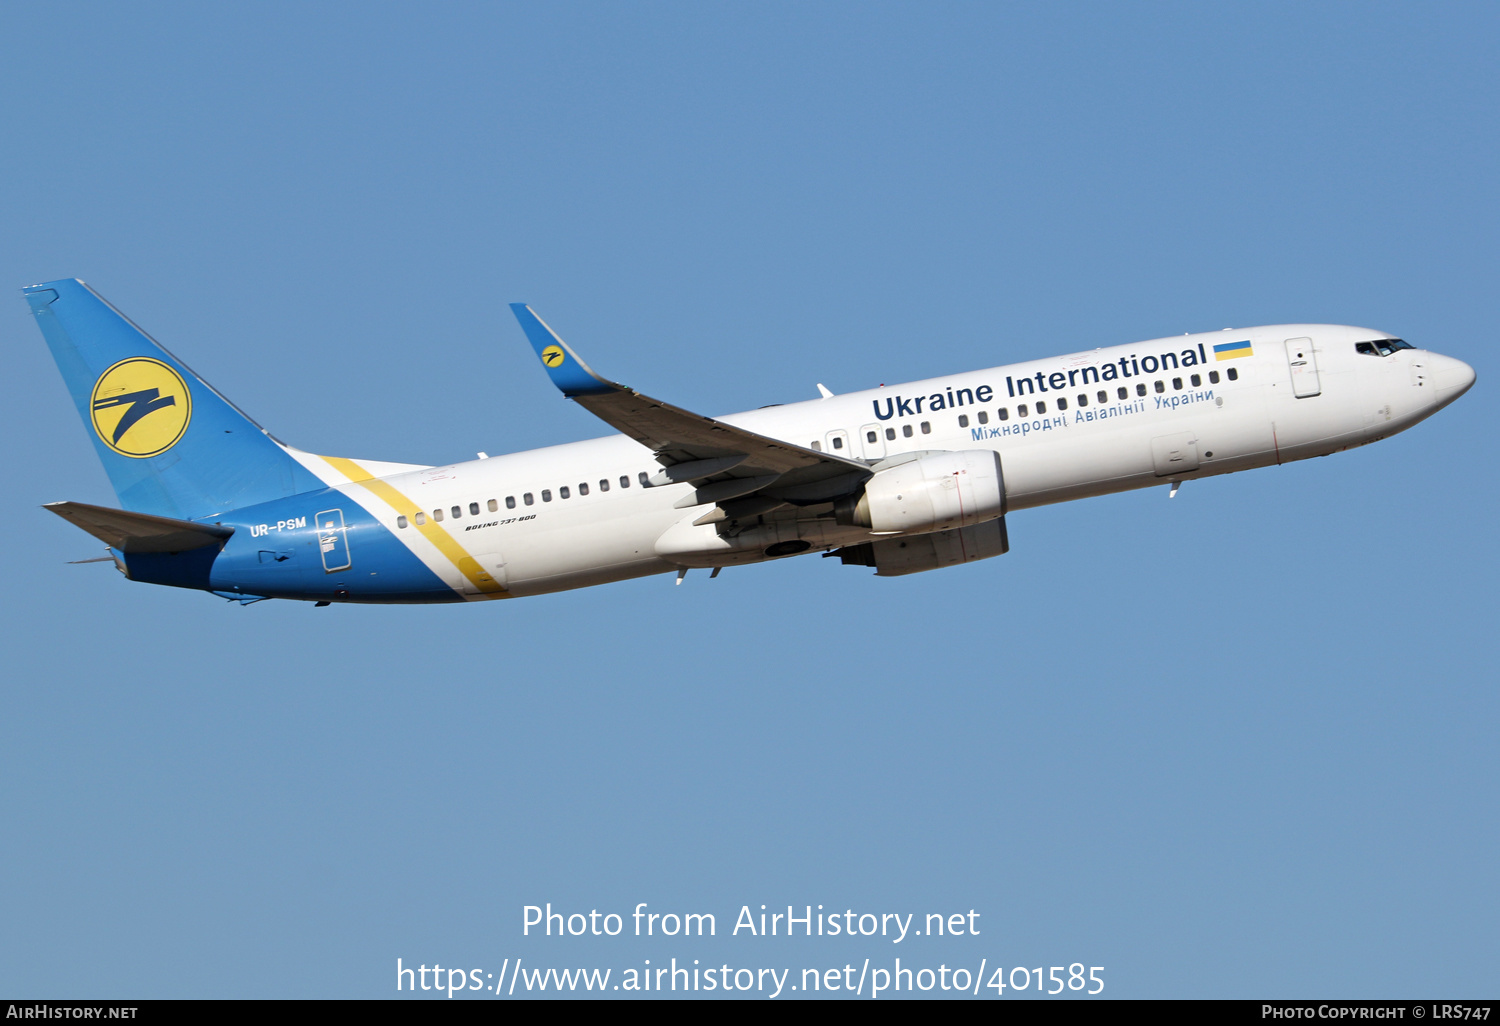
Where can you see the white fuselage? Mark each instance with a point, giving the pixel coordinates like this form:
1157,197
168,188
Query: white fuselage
1055,443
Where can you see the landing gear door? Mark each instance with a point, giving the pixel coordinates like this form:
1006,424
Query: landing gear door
333,541
1303,363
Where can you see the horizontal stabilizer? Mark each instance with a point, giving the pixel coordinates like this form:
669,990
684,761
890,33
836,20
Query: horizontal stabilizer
139,532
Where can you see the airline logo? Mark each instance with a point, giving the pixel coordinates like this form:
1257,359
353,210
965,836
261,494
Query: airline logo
553,356
1233,350
140,407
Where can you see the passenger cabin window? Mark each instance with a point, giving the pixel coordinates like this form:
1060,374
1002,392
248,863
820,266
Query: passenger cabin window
493,505
624,480
1062,404
1041,406
546,494
1023,411
818,446
1176,382
583,487
1197,380
926,428
1234,373
890,434
838,442
527,498
906,430
474,508
562,492
871,437
1103,397
604,484
1003,413
510,502
421,518
963,420
1213,377
458,511
984,418
1161,386
645,479
1123,392
400,521
1083,400
437,515
1140,389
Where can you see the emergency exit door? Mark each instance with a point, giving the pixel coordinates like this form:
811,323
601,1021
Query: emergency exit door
1303,363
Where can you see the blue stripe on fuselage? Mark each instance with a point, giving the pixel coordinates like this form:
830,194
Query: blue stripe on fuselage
279,549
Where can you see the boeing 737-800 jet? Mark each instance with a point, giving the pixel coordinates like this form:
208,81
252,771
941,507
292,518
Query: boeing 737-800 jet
903,478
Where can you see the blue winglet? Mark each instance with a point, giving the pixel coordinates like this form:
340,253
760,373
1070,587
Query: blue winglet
567,371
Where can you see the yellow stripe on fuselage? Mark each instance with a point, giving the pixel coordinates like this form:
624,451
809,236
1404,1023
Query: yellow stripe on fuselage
441,539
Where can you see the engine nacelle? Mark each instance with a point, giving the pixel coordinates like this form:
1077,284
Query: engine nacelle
938,492
895,557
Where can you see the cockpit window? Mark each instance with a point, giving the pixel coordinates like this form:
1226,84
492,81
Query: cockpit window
1381,346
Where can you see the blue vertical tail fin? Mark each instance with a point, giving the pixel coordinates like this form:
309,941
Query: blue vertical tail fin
172,446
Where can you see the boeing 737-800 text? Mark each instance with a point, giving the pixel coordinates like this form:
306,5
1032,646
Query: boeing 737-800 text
903,478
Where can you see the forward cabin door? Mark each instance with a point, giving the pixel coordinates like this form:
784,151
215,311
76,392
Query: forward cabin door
1304,367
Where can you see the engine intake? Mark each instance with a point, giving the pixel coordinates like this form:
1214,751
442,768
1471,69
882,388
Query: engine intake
938,492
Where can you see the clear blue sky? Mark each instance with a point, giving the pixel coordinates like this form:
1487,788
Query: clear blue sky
1241,743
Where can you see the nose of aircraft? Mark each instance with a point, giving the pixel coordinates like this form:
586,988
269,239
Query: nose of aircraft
1451,378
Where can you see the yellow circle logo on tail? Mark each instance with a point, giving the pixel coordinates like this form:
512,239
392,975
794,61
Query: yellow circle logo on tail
553,356
140,407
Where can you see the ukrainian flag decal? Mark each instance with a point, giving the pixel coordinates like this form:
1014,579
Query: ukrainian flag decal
1233,350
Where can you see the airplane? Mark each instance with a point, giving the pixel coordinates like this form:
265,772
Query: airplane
903,478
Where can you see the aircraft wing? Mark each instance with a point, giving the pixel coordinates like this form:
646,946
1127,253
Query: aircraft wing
693,447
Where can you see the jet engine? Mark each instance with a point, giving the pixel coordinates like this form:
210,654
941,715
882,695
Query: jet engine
940,491
896,557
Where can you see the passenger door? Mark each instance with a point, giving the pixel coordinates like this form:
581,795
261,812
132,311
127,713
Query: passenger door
333,541
1304,367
